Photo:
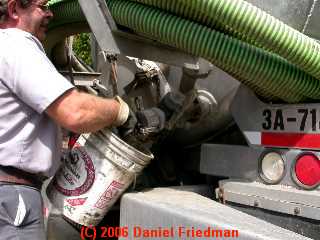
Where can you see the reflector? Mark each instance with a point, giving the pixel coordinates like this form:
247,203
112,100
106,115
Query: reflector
307,170
272,168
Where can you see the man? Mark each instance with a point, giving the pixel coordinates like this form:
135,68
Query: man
34,100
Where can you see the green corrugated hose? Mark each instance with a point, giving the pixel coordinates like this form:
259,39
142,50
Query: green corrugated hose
186,12
271,73
65,12
248,20
267,74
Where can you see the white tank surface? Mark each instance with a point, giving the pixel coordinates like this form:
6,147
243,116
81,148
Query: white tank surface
303,15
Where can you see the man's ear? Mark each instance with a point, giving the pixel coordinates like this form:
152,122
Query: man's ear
12,10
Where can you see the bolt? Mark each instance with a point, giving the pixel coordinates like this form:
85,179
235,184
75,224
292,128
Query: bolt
220,194
256,203
297,211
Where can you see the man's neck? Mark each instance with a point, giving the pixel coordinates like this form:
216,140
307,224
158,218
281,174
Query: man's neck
8,24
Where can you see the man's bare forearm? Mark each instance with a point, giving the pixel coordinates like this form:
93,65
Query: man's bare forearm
82,112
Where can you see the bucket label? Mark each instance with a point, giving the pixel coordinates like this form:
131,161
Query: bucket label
76,201
78,174
111,193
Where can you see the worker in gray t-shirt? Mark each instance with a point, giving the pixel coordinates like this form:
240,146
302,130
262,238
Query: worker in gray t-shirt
34,101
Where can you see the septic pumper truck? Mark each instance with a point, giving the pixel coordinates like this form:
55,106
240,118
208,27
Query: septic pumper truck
238,156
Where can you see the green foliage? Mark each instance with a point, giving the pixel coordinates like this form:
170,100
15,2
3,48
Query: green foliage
82,47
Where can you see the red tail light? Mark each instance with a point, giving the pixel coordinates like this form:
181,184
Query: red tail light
307,171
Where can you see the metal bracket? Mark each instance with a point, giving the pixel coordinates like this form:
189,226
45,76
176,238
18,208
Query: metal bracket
98,16
278,198
311,25
82,78
112,40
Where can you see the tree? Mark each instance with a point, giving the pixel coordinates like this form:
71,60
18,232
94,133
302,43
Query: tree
82,48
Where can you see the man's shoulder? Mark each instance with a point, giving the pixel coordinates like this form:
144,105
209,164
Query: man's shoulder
15,32
11,38
17,42
16,37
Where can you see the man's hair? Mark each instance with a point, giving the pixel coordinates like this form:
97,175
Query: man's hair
4,7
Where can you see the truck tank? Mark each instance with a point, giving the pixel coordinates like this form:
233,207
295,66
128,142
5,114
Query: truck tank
300,15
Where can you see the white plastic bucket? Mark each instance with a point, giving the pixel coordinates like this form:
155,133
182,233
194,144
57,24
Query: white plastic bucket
99,169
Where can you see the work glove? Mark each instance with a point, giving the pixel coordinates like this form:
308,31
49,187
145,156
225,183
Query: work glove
126,120
147,121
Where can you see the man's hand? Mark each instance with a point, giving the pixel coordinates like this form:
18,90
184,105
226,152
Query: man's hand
126,120
144,122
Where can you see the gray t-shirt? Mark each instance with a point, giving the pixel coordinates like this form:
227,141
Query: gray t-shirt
29,83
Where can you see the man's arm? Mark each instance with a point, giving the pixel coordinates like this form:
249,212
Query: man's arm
81,112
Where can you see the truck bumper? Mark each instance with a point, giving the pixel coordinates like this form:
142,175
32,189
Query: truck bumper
182,213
